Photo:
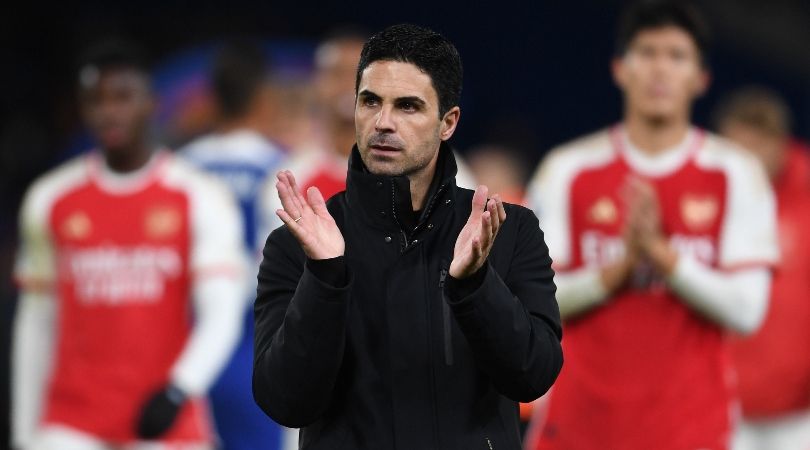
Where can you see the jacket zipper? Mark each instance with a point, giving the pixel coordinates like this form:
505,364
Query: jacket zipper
489,444
403,244
429,208
446,320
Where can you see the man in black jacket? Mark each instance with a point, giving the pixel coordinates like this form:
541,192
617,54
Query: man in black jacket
375,331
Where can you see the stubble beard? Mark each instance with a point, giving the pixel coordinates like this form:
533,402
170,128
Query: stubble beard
407,163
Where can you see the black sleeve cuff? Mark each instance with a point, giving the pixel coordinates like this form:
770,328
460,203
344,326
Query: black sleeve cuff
458,289
330,271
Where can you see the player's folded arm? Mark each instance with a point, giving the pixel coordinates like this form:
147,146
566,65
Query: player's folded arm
300,334
513,325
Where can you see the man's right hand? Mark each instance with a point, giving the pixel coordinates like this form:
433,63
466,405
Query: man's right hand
308,219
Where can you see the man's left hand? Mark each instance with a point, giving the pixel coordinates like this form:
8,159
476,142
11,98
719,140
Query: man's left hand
476,238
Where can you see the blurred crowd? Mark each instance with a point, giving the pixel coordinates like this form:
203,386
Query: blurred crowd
239,113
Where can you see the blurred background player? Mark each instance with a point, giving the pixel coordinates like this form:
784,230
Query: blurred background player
325,164
335,68
662,236
114,246
772,367
500,168
240,154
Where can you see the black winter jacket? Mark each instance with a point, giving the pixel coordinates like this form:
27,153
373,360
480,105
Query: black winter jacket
381,349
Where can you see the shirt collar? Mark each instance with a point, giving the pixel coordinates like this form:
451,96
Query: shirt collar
662,163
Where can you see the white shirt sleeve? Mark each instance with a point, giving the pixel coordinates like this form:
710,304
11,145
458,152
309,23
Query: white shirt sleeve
579,291
748,236
32,353
34,325
34,267
736,300
217,328
218,263
549,195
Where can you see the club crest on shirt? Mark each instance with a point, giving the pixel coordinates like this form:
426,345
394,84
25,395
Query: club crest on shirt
603,211
699,212
77,226
162,222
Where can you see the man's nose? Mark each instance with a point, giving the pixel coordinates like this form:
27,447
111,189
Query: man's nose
663,64
385,120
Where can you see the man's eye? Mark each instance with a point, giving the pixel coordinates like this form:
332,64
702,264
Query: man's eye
679,55
407,106
370,101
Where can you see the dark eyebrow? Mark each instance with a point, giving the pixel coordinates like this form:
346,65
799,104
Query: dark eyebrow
365,93
412,99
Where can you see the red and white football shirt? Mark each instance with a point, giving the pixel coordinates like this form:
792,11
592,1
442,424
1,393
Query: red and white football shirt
121,254
643,370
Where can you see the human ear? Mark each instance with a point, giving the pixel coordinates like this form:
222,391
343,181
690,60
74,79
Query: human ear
449,123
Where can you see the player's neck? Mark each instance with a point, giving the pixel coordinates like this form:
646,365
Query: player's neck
129,160
655,136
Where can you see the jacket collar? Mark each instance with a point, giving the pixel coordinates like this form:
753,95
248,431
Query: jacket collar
384,201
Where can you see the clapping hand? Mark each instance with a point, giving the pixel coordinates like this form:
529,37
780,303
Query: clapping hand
475,240
308,219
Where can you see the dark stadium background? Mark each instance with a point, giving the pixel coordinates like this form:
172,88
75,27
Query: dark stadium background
536,73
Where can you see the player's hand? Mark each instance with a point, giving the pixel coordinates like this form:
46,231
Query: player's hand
643,213
160,412
644,226
308,219
476,238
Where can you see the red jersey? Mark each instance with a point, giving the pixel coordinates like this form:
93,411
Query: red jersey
121,253
772,366
324,170
643,370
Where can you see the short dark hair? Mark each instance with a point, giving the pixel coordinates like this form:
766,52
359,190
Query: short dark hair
239,68
646,14
431,52
112,54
